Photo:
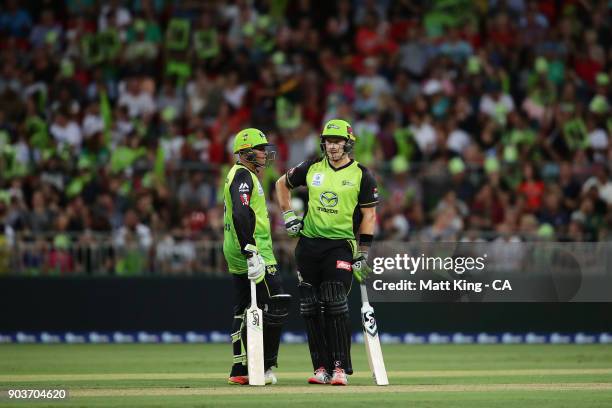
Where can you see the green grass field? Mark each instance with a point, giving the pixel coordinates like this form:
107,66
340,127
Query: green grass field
420,376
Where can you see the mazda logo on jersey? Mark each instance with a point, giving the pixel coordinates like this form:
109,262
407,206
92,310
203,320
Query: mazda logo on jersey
328,199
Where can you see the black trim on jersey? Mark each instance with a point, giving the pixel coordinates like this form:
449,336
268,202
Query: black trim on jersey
296,176
341,167
357,218
243,216
366,198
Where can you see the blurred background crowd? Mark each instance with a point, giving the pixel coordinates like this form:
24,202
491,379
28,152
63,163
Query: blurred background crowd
482,120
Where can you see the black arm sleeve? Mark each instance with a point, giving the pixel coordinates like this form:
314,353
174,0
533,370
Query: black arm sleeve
243,216
296,176
368,191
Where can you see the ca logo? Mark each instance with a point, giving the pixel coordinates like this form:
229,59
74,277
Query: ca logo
328,199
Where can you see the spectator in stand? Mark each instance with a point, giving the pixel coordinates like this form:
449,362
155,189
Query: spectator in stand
532,188
500,108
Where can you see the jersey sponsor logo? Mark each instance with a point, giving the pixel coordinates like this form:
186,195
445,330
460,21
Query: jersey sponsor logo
244,188
260,189
348,183
328,199
343,265
245,198
317,179
327,210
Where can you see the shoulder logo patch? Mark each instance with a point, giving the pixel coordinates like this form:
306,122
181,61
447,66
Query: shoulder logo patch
244,187
245,199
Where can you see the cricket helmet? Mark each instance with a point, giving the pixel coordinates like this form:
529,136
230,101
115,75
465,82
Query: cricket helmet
339,128
248,139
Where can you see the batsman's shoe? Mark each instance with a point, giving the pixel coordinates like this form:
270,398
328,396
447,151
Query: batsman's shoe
239,380
320,377
339,377
270,377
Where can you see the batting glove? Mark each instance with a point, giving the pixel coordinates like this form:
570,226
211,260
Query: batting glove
361,269
255,264
293,223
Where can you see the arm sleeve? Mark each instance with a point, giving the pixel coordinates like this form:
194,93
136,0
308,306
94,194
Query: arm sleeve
296,176
243,216
368,191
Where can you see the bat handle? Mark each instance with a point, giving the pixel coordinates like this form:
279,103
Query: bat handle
364,293
253,294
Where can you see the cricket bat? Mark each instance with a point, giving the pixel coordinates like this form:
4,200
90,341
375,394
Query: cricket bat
371,340
255,351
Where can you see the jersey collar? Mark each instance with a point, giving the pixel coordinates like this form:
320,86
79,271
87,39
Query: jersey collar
339,168
242,165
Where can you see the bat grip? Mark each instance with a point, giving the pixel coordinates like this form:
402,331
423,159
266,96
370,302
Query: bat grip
364,293
253,294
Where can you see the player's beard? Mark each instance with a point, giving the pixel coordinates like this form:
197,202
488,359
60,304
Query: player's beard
337,156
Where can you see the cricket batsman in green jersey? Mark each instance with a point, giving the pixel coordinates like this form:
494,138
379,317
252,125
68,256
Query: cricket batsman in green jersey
247,247
342,197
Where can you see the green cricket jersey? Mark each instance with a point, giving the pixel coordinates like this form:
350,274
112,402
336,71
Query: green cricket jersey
245,219
334,197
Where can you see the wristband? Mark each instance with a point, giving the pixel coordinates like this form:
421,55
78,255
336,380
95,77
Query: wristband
366,240
250,250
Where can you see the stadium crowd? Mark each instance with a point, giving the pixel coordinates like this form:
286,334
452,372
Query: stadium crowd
481,119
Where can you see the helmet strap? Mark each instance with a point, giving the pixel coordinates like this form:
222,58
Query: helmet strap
248,156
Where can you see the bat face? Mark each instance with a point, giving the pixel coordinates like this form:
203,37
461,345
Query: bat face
255,357
372,345
255,353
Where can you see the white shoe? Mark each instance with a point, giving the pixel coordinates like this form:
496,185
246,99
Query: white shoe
320,376
270,377
339,377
